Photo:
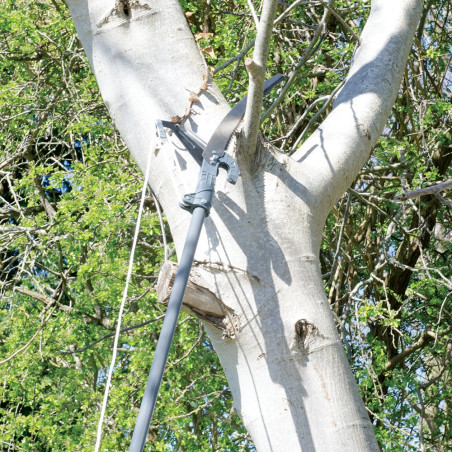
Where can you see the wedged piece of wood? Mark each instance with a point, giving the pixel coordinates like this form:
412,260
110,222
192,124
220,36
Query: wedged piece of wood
198,300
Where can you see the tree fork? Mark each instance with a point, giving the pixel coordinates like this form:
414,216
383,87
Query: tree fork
270,224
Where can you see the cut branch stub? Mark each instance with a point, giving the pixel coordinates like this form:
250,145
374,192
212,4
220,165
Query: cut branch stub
306,333
198,300
256,72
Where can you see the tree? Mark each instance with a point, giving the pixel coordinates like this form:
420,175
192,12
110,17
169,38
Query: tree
259,258
259,265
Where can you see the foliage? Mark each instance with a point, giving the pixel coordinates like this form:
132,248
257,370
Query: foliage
69,198
387,264
69,195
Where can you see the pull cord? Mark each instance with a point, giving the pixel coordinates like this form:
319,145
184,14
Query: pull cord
121,308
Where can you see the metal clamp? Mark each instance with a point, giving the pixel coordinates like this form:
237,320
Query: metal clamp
206,185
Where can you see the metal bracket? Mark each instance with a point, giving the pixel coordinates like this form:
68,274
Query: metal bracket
160,131
193,144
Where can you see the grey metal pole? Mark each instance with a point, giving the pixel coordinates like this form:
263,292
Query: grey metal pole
166,335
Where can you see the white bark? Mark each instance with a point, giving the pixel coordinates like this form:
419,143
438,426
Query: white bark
342,144
258,255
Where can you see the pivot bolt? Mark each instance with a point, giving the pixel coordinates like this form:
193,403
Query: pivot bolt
214,159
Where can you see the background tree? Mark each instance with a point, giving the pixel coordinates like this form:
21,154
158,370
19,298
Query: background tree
69,196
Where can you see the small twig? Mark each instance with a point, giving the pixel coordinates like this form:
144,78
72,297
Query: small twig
233,77
237,57
279,19
287,11
310,50
342,21
32,338
253,12
21,150
123,330
327,103
339,240
197,342
248,47
443,200
301,119
234,13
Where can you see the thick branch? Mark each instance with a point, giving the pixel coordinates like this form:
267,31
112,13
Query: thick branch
332,157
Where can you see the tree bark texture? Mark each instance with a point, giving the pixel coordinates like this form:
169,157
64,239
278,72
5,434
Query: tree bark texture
258,256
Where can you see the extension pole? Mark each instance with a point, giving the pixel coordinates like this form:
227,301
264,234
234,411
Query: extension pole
166,335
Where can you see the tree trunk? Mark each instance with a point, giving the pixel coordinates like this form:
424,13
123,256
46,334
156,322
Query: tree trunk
257,261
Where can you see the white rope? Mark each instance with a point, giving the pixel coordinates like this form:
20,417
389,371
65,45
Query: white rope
121,308
162,227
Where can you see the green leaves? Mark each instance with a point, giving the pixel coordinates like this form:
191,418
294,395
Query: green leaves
63,272
391,287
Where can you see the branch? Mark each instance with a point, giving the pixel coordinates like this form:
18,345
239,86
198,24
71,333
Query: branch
197,342
253,12
342,21
7,213
235,58
256,69
98,318
432,190
333,155
251,44
328,99
426,337
300,120
20,152
17,352
287,11
48,301
310,50
51,212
